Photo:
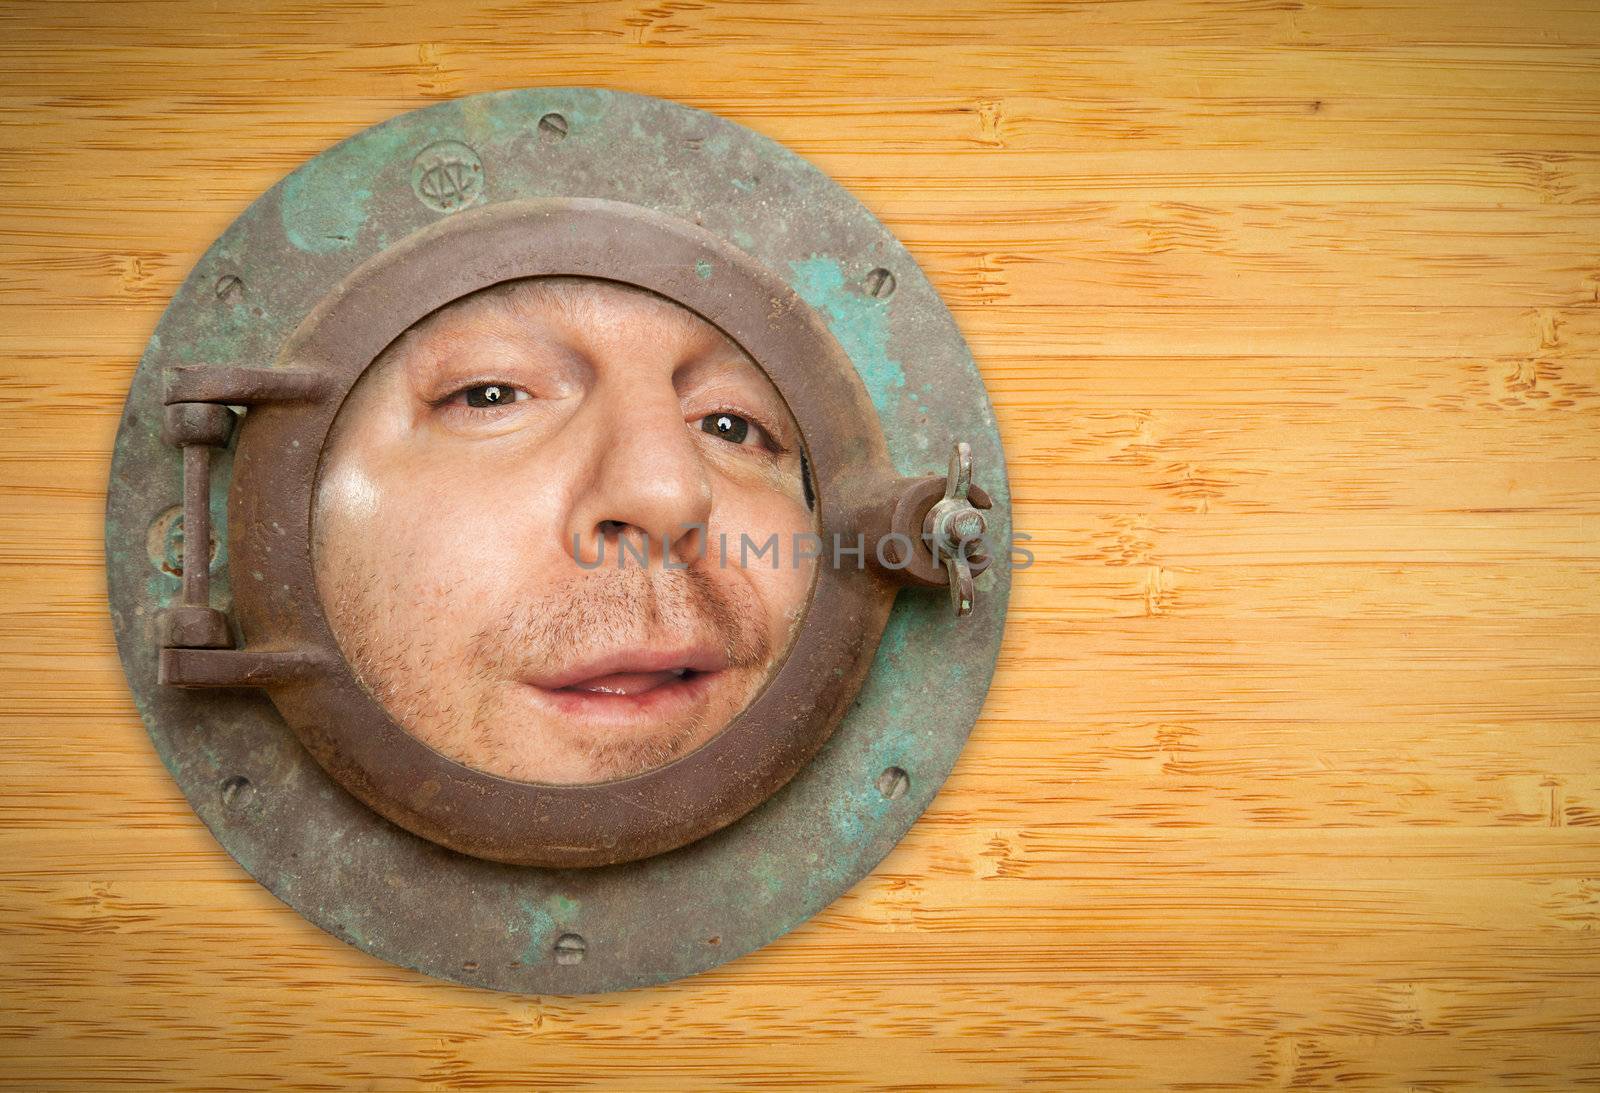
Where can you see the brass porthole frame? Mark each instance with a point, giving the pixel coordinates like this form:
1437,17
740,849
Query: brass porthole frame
289,649
564,889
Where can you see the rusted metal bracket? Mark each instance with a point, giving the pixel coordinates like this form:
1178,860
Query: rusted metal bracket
197,428
196,638
231,386
238,667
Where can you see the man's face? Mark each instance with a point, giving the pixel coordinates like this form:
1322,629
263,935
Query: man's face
506,438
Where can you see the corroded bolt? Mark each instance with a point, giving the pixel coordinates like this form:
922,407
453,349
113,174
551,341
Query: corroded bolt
237,793
964,527
229,288
569,949
957,528
553,125
880,284
893,783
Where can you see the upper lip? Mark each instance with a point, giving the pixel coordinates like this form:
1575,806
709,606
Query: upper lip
696,658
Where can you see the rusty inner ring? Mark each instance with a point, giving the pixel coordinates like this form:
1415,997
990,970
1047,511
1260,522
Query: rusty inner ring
277,606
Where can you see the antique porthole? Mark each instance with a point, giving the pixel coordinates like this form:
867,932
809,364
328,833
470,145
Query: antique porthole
558,540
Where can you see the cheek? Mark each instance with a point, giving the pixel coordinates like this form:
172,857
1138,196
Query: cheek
760,514
782,593
445,546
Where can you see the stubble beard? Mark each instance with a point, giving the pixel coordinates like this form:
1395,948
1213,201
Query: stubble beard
460,701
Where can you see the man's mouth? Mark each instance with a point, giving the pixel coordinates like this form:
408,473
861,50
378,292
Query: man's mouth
631,687
632,671
629,683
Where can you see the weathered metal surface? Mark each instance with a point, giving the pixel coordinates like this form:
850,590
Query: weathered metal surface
408,900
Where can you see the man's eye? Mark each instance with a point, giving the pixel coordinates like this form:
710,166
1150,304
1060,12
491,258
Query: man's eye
485,395
730,427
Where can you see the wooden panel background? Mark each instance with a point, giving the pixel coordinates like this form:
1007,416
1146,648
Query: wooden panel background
1290,310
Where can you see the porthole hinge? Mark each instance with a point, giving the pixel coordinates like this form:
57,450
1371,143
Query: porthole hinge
195,637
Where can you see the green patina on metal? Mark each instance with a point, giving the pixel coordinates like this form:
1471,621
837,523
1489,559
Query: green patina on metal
320,212
541,931
859,321
546,921
409,901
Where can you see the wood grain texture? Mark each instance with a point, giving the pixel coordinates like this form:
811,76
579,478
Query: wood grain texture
1291,316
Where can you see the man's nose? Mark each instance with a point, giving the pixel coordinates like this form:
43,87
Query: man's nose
646,479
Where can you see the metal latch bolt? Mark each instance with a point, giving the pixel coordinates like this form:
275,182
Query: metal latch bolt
954,528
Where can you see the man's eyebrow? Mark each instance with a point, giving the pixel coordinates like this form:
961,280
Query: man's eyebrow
733,370
716,351
501,342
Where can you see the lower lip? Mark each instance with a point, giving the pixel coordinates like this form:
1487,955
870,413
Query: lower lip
663,702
